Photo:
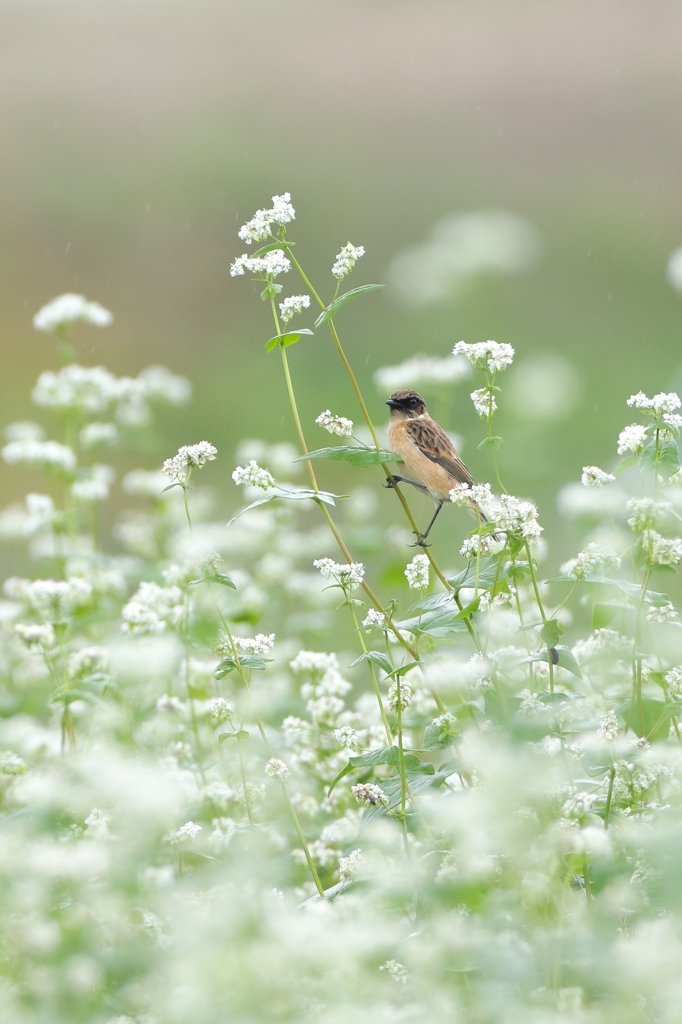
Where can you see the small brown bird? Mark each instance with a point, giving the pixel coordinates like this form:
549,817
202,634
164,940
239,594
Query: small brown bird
426,451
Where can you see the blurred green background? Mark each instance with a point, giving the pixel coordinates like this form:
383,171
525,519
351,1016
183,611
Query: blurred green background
138,136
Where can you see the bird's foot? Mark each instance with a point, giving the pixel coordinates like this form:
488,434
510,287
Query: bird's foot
420,543
390,484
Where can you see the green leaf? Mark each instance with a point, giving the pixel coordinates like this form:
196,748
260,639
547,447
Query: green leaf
491,442
356,456
336,305
218,577
377,658
298,495
245,660
387,755
566,660
430,602
417,781
271,290
666,461
551,632
624,464
437,624
487,572
517,570
655,718
271,246
604,614
436,737
241,735
290,338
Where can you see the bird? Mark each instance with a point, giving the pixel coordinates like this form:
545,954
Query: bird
427,454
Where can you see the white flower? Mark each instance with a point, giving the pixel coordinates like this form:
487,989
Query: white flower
24,431
98,433
45,455
67,308
422,370
260,644
517,516
346,260
52,598
86,661
94,487
595,477
399,695
661,613
374,618
160,385
252,475
348,866
276,769
152,608
269,265
658,405
293,304
348,576
34,635
479,544
221,710
396,971
484,402
595,560
632,438
179,467
482,354
335,424
608,727
417,572
41,513
143,481
258,228
369,794
314,661
674,678
662,550
86,388
645,512
347,737
187,831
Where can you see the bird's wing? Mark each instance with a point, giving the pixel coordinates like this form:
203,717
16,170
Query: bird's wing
434,443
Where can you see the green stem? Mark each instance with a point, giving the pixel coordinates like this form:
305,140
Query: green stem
304,844
607,809
542,614
375,682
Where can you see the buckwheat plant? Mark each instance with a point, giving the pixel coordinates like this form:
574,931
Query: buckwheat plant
282,770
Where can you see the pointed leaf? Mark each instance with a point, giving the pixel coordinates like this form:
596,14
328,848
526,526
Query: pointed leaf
551,632
377,658
487,572
604,614
565,659
356,456
491,442
271,246
241,735
336,305
289,338
297,495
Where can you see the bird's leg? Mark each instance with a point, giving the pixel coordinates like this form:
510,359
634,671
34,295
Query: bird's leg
395,480
420,540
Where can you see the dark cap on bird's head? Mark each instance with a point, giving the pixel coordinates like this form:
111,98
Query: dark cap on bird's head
409,402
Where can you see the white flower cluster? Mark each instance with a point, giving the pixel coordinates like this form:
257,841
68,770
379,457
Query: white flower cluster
661,613
349,576
86,661
479,544
259,644
187,831
422,370
34,635
65,309
40,513
347,738
632,439
293,304
52,598
662,550
252,475
92,389
507,512
645,512
464,495
348,866
595,560
398,972
258,228
221,709
417,572
486,354
179,467
658,405
94,434
335,424
399,695
269,265
374,619
153,608
346,260
484,402
608,727
315,662
276,769
369,794
593,476
44,455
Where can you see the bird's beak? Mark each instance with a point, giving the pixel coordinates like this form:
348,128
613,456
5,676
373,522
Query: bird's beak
393,404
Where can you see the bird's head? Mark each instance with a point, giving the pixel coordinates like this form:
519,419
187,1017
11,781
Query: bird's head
406,405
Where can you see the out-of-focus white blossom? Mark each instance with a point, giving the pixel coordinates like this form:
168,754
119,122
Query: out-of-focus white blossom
399,695
398,972
144,481
86,661
52,598
674,269
608,727
187,831
595,477
95,486
276,769
661,613
45,455
335,424
35,635
221,710
153,609
662,550
595,560
160,385
94,434
420,370
67,308
346,260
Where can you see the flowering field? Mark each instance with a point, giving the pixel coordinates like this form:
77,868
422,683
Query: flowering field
249,776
